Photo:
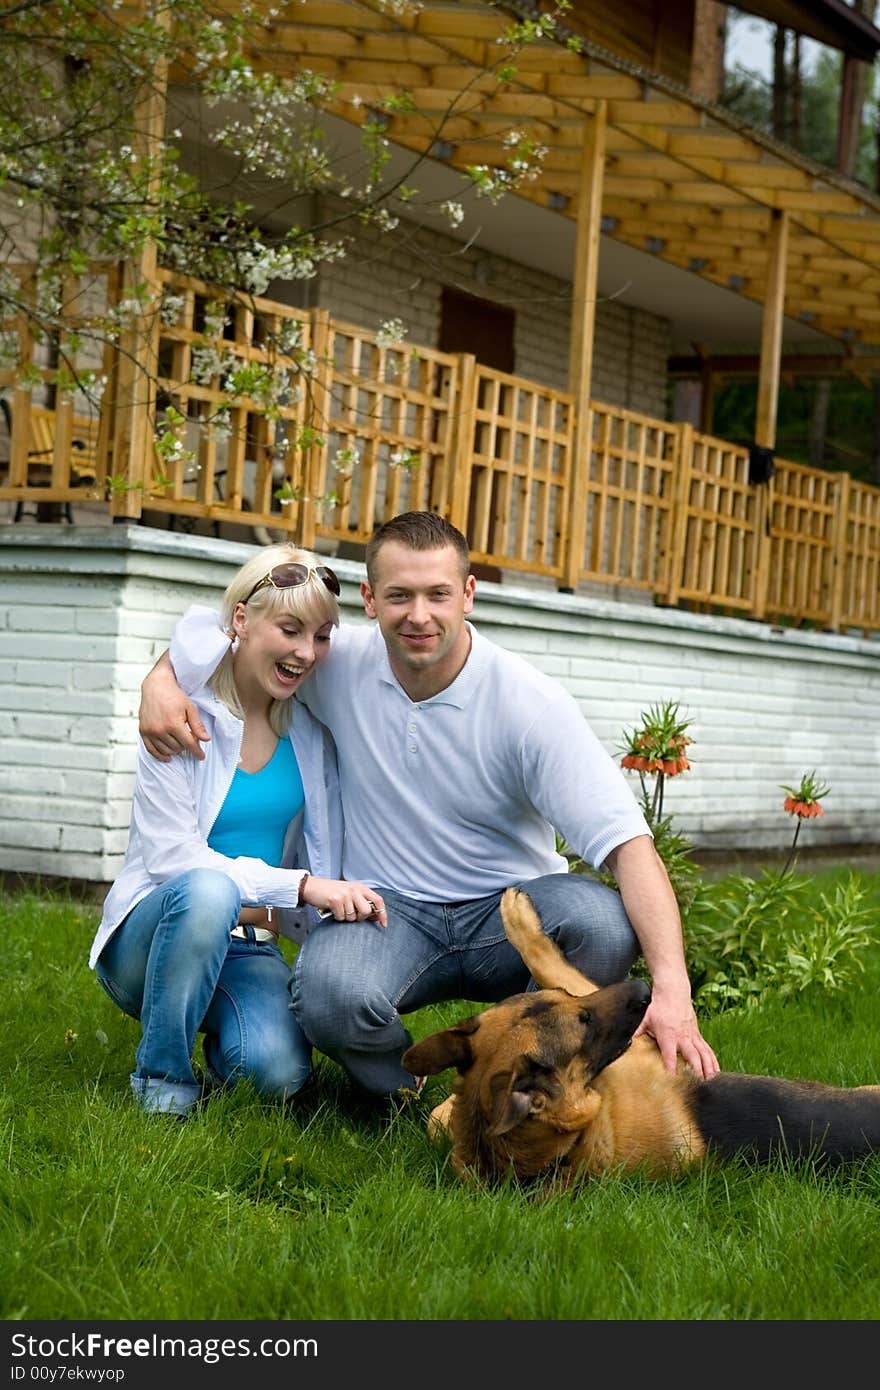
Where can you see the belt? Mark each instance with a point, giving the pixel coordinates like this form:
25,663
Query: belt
250,933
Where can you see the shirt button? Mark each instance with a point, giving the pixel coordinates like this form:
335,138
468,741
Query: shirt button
413,748
412,728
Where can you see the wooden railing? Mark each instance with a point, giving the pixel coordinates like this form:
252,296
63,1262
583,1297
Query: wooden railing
717,549
385,416
269,416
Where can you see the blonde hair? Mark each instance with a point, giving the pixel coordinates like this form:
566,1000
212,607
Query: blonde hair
311,602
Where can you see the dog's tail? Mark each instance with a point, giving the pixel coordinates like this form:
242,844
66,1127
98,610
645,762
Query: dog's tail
766,1117
546,963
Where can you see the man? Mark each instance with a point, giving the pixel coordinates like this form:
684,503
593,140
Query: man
458,761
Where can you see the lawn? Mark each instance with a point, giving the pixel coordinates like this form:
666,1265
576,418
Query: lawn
327,1211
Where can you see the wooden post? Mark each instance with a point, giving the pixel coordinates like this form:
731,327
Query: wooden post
852,99
139,343
768,396
771,332
840,526
583,324
62,470
313,468
19,444
462,460
110,368
707,396
681,492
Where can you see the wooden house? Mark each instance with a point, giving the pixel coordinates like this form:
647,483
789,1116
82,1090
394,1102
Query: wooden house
530,397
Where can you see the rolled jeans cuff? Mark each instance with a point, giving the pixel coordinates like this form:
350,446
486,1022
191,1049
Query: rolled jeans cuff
159,1097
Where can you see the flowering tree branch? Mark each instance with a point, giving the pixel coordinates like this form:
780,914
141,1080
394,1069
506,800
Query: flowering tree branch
80,183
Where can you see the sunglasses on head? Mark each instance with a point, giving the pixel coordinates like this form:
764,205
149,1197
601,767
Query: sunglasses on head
293,575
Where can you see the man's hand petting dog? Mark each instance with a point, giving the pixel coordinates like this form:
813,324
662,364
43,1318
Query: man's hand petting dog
672,1023
565,1082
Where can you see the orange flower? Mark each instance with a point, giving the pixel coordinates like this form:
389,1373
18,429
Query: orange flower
636,762
803,809
803,800
659,745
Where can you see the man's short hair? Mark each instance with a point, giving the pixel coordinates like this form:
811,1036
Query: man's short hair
418,531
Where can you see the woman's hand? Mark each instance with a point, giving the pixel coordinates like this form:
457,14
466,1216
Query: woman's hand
347,902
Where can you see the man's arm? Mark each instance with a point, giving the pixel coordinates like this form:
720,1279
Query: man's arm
168,722
653,911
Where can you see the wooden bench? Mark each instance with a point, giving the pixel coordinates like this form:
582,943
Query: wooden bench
41,451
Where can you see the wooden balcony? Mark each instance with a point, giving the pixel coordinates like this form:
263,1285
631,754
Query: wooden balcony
330,430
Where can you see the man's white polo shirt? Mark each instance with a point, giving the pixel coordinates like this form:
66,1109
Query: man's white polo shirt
457,796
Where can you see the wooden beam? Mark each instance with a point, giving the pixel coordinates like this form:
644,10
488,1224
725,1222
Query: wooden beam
707,396
791,364
771,333
840,526
852,89
611,86
768,396
583,327
138,346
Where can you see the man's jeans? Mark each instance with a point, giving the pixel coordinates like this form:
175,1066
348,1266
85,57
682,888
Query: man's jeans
173,965
352,981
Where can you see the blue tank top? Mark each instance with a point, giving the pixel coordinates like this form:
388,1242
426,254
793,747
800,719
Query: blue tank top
258,808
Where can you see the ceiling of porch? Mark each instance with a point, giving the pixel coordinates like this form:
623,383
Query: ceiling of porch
688,190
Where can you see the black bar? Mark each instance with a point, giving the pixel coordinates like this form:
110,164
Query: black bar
286,1355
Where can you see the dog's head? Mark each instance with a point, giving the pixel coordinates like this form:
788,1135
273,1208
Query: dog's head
525,1071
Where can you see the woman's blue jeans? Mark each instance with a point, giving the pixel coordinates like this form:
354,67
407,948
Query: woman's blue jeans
173,965
352,981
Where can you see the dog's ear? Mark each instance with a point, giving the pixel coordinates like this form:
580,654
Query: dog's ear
510,1106
451,1048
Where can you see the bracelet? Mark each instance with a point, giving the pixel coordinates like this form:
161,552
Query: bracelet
300,899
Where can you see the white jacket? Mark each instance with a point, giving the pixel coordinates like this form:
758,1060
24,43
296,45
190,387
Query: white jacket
176,804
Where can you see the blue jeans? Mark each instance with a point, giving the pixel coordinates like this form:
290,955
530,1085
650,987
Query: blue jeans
352,981
173,965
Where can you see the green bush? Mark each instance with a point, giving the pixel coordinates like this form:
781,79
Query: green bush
744,937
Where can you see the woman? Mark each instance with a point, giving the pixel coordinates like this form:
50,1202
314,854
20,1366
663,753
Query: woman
188,938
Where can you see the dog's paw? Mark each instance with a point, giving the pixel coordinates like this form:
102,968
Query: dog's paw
440,1121
521,921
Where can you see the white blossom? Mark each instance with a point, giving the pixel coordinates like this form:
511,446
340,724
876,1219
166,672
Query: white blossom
171,308
390,331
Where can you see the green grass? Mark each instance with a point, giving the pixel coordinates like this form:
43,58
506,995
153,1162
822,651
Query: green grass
326,1212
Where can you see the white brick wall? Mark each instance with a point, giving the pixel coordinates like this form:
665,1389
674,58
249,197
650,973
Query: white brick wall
85,611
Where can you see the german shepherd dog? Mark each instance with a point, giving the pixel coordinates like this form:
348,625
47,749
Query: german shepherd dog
552,1084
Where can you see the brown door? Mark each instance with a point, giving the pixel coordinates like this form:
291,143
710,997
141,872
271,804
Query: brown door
471,324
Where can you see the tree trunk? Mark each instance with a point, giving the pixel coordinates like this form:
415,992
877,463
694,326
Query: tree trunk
852,99
818,425
707,49
780,85
797,115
